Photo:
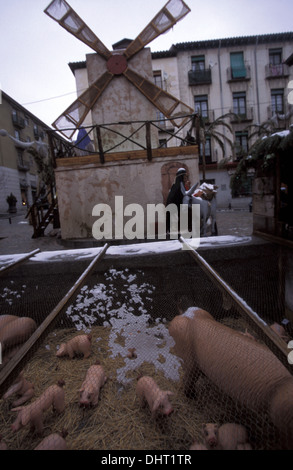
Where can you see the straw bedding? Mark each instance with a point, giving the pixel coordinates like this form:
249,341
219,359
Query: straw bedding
118,422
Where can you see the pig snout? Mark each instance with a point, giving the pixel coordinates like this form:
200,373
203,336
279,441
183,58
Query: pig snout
168,409
85,400
212,441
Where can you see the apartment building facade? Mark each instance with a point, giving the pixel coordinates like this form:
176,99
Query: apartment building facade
246,76
18,169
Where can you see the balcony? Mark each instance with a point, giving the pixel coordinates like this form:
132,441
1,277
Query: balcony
277,71
38,133
208,116
18,121
200,77
282,118
247,115
236,74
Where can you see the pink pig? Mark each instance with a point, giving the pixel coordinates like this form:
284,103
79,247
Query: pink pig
158,400
280,331
53,396
229,436
53,442
21,387
16,331
90,389
80,344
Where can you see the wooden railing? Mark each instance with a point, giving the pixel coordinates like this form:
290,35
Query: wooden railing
60,148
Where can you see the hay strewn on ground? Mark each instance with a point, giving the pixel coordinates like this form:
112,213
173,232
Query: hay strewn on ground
118,422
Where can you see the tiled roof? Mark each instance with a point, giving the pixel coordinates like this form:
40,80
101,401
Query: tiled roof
210,44
224,42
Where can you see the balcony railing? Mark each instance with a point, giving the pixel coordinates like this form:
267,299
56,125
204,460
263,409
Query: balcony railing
277,71
246,115
280,117
200,77
207,117
18,121
238,73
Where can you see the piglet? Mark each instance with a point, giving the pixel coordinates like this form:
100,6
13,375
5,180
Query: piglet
21,387
158,400
53,442
80,344
229,436
90,389
280,331
198,446
53,396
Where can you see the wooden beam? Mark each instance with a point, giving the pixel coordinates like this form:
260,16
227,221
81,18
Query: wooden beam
131,155
148,141
20,260
100,145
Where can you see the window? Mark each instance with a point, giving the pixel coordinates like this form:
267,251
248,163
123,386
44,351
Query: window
208,151
241,139
158,78
163,143
162,119
197,63
275,56
17,134
201,105
275,62
238,69
239,103
277,100
20,158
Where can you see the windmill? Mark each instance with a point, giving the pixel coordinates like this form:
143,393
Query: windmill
117,64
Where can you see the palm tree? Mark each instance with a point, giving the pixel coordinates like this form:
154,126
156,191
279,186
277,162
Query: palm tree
210,130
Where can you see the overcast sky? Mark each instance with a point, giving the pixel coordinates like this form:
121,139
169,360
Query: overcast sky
35,50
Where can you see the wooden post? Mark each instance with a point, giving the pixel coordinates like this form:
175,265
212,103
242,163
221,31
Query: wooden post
51,146
100,145
148,140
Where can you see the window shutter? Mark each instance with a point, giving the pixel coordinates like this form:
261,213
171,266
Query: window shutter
237,65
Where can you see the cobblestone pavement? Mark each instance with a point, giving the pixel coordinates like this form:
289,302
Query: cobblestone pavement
235,222
16,232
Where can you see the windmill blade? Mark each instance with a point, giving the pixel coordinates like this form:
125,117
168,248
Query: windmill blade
75,114
167,17
171,107
62,12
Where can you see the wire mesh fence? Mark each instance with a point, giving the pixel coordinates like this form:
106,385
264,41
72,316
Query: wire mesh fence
112,372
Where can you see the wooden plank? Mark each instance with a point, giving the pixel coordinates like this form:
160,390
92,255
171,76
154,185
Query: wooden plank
17,362
100,145
131,155
274,239
20,260
276,344
148,141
